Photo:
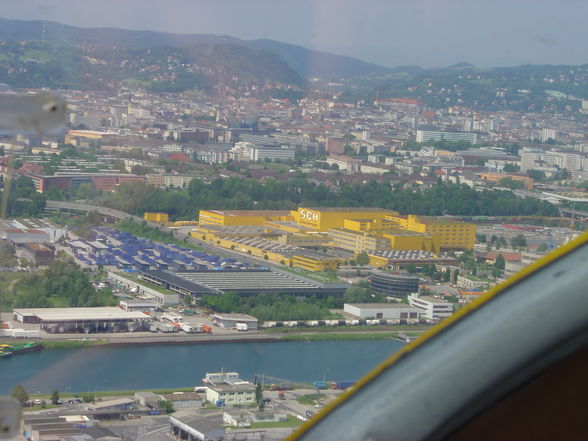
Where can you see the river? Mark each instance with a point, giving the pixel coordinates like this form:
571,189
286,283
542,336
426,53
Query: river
171,366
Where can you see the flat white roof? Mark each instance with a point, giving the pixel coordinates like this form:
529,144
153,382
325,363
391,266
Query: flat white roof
379,305
244,317
73,314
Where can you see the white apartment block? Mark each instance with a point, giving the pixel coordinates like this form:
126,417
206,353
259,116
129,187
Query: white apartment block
431,307
547,134
550,161
433,135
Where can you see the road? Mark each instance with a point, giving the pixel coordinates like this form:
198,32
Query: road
110,212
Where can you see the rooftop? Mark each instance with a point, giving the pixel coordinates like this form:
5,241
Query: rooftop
241,387
250,212
347,209
223,316
74,314
433,300
200,424
182,396
250,280
380,305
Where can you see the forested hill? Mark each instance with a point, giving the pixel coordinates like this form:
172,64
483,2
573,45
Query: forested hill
528,88
162,69
305,62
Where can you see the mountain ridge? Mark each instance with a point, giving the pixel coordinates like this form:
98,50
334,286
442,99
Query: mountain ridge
306,62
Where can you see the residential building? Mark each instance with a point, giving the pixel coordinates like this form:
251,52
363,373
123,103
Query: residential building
472,282
335,145
547,134
345,163
171,180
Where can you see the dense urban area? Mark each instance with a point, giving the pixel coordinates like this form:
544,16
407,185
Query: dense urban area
213,192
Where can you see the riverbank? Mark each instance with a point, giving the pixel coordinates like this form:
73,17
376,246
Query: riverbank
65,341
306,334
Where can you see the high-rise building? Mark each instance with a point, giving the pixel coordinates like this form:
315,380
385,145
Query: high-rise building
434,135
548,134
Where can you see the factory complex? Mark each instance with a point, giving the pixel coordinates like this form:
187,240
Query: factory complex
319,239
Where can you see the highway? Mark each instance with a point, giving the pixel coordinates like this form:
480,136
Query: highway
110,212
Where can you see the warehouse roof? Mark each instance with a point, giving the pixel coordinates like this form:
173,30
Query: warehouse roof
75,314
244,317
348,209
250,212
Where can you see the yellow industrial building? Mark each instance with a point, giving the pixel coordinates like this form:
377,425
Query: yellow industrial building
280,236
241,217
324,219
155,217
449,234
264,244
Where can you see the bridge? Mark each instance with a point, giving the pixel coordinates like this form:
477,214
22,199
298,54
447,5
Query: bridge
104,211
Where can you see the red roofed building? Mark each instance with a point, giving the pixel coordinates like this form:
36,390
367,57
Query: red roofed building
179,157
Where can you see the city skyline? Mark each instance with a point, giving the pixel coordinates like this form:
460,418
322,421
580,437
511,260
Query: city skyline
424,32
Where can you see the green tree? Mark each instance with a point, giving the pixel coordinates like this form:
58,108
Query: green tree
258,393
542,248
499,262
166,406
510,168
509,182
55,396
537,175
7,258
362,258
519,241
18,392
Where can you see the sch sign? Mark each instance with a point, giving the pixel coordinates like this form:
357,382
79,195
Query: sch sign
309,215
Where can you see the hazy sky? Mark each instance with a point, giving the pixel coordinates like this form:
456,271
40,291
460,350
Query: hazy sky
387,32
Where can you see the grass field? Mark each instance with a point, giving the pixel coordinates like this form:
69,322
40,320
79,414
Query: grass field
414,329
49,344
112,393
340,336
309,400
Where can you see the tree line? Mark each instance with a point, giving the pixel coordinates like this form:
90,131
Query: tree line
284,307
246,194
62,284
